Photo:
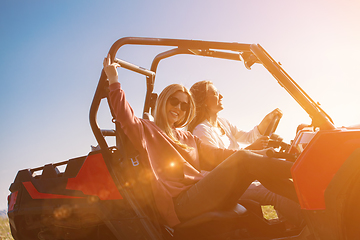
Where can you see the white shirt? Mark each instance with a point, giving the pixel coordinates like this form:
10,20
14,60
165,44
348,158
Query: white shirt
232,137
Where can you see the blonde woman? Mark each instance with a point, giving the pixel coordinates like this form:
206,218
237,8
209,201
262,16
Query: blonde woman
219,132
176,157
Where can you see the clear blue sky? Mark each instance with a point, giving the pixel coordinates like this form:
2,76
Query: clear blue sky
51,56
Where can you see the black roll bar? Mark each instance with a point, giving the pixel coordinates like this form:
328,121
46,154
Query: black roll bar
100,93
176,51
199,47
249,53
180,43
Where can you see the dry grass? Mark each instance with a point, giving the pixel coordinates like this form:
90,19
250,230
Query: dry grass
5,233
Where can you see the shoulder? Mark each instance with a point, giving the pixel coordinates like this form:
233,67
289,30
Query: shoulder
150,125
202,127
184,134
186,137
225,123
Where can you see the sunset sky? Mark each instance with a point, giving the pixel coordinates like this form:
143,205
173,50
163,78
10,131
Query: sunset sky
52,52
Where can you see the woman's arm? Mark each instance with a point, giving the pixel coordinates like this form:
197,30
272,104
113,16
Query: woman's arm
242,136
211,156
259,144
255,140
124,114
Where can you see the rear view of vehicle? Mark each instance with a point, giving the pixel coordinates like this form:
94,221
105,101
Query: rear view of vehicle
74,204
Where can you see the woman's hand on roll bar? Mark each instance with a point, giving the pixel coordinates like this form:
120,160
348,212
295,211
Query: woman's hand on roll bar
110,70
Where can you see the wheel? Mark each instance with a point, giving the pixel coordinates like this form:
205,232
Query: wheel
351,214
272,126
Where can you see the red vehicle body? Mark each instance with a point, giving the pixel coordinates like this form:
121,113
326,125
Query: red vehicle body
104,195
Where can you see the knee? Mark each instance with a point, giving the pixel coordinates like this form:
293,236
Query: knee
242,156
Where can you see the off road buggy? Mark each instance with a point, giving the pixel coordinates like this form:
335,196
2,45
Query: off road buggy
105,195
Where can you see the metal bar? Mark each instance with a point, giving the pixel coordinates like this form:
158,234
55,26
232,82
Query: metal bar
177,51
108,132
181,43
98,96
319,117
134,67
32,170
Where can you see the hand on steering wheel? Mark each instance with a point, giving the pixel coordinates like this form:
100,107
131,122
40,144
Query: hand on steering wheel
259,144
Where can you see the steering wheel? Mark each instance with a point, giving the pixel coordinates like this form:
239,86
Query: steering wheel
272,125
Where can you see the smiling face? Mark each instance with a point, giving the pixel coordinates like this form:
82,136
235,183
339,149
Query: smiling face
213,100
175,107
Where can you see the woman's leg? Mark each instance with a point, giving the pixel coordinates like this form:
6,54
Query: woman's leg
273,174
224,185
218,190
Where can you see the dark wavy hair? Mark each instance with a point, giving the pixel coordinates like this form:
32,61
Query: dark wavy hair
199,92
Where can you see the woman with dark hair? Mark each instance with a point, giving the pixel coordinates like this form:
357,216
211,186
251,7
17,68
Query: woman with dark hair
206,123
219,132
176,157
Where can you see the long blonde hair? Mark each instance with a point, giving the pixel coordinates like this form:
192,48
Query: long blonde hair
199,92
160,116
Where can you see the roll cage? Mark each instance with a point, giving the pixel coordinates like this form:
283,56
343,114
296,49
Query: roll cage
249,54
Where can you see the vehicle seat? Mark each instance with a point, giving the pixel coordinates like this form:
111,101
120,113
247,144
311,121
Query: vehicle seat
50,171
140,193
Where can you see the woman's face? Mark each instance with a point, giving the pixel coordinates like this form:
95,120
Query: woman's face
213,100
176,107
